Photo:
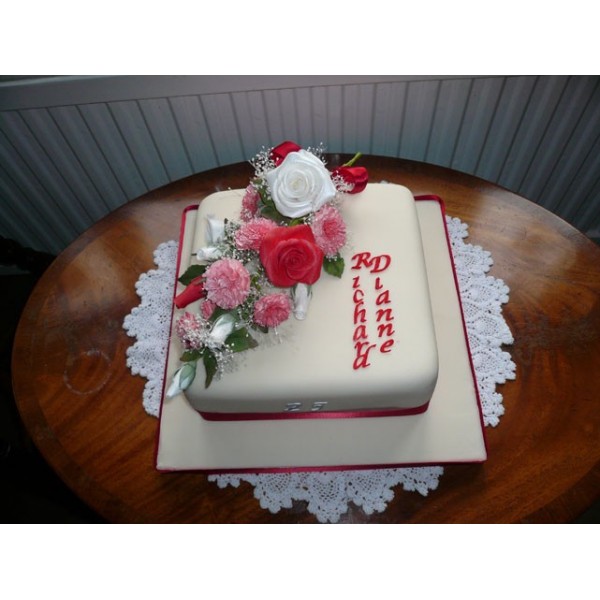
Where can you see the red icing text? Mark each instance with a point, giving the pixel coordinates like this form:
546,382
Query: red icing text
384,315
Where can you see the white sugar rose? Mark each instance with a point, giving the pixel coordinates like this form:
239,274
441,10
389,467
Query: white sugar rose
300,184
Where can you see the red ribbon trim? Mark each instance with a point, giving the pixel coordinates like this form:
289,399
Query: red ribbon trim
346,414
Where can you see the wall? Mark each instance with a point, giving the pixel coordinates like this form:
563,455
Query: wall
74,148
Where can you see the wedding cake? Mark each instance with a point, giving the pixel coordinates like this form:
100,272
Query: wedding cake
304,295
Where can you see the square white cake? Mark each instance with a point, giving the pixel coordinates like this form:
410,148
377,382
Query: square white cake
367,344
450,431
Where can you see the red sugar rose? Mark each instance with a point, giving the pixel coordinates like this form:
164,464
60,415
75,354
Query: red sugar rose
290,255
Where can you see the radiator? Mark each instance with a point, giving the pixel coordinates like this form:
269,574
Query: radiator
72,149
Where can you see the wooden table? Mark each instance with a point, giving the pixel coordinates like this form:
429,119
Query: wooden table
83,407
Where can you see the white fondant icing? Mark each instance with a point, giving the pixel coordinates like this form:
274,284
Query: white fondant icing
319,365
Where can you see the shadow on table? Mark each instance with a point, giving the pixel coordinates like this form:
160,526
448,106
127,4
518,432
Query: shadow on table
30,492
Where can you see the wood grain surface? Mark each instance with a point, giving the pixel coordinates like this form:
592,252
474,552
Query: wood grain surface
83,408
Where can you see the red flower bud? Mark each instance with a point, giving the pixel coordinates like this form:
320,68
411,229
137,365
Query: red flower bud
357,177
194,291
280,152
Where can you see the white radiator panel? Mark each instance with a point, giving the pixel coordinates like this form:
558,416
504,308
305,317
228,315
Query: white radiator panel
73,149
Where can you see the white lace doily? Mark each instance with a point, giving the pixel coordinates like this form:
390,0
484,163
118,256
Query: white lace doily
327,494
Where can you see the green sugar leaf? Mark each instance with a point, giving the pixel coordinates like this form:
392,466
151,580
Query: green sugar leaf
240,340
334,266
210,366
191,355
191,273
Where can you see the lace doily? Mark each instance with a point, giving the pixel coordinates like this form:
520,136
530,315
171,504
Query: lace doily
327,494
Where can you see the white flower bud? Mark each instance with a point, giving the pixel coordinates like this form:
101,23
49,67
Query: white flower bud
301,294
215,230
182,379
221,329
208,253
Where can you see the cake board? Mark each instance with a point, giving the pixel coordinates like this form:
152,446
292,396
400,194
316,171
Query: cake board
450,431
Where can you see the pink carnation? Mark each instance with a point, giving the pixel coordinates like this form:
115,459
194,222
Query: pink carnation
272,310
227,283
329,230
249,203
189,330
251,234
207,308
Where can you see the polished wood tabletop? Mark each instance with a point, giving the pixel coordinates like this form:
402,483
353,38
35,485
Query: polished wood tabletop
83,407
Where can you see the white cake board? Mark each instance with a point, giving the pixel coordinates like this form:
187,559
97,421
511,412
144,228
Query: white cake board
451,431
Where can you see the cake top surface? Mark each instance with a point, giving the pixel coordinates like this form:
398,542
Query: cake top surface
372,326
326,289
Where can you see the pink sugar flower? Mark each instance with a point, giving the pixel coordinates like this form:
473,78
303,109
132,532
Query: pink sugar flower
329,230
272,310
189,330
250,235
227,283
207,308
249,203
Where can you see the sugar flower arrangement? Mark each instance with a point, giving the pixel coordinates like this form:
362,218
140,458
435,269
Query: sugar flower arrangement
253,274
